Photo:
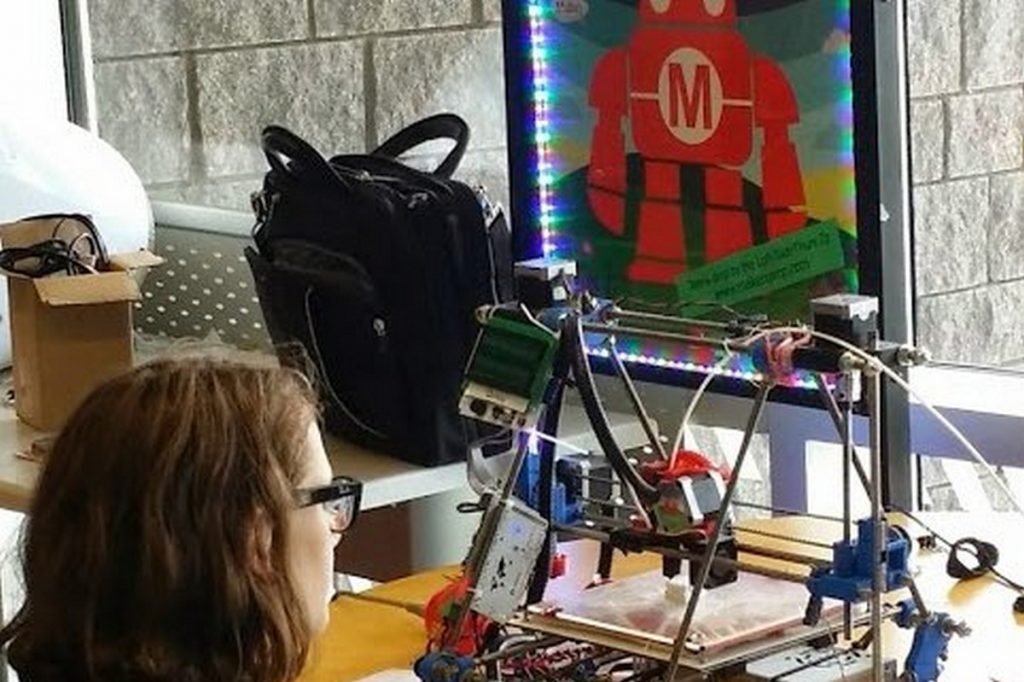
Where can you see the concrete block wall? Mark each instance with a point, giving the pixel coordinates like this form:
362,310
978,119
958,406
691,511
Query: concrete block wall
967,117
185,86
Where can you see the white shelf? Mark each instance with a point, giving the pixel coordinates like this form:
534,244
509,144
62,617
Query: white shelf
388,480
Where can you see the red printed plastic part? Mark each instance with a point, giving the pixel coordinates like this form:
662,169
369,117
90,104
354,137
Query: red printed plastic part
687,463
559,565
439,617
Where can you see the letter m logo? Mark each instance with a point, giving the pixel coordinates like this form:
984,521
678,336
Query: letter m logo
690,95
689,99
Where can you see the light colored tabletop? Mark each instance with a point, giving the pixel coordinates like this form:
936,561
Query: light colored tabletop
17,474
387,480
364,638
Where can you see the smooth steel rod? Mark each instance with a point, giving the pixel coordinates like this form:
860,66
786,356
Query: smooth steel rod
634,398
780,536
874,391
786,512
839,419
638,316
716,533
482,545
723,344
601,536
595,533
849,457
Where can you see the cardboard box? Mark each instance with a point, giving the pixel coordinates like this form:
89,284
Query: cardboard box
69,333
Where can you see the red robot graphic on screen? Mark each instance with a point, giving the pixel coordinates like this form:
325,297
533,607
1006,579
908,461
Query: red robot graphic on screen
687,91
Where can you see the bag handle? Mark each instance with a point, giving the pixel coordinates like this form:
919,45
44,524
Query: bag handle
292,156
436,127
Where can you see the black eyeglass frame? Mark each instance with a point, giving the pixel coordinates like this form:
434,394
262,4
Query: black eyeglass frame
338,488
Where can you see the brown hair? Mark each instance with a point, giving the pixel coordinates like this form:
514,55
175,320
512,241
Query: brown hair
141,550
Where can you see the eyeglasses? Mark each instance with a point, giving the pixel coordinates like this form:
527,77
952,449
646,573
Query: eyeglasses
340,498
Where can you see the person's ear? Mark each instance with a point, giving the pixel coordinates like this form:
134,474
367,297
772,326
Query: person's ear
260,543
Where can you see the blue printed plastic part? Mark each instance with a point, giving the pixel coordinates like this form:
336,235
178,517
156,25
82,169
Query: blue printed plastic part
850,576
931,642
566,507
442,666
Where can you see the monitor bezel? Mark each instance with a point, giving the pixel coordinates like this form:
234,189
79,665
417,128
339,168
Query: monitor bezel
864,59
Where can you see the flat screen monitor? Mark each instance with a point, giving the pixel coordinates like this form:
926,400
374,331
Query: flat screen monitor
704,158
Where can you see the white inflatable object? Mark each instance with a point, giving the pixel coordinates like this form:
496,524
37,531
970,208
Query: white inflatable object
58,167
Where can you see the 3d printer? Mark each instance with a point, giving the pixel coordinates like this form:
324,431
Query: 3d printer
672,502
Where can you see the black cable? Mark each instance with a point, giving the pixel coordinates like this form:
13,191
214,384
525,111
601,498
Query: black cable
88,228
550,417
545,494
1007,581
45,258
599,419
986,553
606,555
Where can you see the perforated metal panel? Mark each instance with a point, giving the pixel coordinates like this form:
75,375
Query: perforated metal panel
205,286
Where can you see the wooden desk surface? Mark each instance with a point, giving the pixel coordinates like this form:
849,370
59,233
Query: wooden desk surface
364,638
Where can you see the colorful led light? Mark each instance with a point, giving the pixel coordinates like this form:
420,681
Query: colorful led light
844,108
677,364
543,98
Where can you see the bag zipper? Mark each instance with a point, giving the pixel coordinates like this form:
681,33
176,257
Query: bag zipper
491,211
320,367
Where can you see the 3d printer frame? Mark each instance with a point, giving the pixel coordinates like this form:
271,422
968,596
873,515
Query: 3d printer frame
845,344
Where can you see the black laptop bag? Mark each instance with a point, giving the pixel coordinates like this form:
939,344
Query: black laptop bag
377,269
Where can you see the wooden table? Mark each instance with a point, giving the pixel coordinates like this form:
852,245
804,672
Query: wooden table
364,638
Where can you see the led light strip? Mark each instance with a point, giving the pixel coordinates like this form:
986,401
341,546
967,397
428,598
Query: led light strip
679,365
844,111
542,123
